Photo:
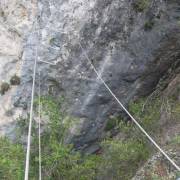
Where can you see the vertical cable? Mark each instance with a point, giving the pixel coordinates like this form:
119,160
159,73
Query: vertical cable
26,175
39,125
30,120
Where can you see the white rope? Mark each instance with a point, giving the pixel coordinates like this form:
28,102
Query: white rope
128,113
39,126
30,119
48,62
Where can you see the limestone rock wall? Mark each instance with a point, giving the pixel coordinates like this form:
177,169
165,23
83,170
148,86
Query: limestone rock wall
132,50
16,21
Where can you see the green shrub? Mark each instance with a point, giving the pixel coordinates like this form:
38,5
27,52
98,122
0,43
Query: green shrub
175,109
122,158
176,140
22,126
11,160
119,159
4,88
15,80
149,117
59,160
141,5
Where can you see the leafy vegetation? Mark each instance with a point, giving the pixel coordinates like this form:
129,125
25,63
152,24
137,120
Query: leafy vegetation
126,155
4,88
15,80
59,160
133,141
141,5
175,110
176,140
148,115
119,158
122,158
111,124
11,160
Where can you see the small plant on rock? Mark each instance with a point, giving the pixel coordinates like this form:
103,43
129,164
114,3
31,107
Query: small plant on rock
4,88
15,80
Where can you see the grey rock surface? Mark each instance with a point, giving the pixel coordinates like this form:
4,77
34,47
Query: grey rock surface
16,17
130,57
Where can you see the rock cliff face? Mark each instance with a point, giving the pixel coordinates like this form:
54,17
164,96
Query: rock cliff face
132,47
16,19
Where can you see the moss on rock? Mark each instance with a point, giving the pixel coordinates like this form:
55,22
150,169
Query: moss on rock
15,80
4,88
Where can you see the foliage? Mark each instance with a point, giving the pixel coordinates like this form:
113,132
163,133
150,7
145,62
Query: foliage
15,80
111,124
176,140
177,175
4,88
21,130
141,5
175,110
122,158
59,160
148,113
148,116
128,129
58,122
11,160
119,159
